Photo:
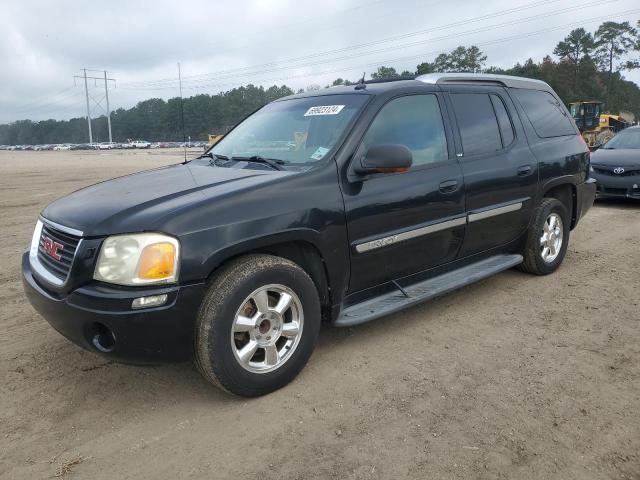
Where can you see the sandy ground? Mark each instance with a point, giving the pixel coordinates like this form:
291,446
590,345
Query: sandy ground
516,377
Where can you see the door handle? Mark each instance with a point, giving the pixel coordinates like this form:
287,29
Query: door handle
524,170
448,186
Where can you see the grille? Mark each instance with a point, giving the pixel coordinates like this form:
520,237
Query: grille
609,171
65,248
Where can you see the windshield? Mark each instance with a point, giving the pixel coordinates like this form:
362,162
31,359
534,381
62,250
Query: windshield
576,111
585,109
300,131
626,139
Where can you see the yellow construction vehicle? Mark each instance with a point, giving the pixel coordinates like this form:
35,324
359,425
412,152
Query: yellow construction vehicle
597,127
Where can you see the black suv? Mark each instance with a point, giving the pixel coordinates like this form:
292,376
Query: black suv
343,205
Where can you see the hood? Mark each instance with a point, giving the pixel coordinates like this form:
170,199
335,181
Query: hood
616,157
140,201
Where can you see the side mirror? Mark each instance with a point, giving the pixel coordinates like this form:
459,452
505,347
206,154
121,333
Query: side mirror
385,159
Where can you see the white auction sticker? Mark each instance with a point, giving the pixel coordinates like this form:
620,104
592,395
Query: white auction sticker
319,153
324,110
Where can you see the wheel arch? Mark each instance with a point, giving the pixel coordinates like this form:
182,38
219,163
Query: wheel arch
565,191
299,247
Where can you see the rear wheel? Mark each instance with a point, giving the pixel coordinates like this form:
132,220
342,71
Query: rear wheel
547,238
257,326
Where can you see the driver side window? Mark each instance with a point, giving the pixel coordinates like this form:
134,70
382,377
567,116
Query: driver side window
414,121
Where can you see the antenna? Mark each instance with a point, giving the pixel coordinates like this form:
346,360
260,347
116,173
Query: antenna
361,84
184,138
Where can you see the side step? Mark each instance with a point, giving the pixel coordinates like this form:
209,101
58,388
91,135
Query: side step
419,292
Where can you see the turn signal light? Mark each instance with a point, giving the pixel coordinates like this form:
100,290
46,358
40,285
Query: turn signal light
157,261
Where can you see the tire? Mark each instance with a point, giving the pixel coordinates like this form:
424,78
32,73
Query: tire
535,261
244,297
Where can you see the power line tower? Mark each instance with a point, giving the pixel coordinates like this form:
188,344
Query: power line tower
98,102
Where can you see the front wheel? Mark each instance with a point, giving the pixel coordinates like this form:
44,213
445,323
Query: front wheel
257,326
547,238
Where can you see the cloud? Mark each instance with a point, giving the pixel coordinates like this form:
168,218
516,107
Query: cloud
219,44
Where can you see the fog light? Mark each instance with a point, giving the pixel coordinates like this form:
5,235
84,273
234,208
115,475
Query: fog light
151,301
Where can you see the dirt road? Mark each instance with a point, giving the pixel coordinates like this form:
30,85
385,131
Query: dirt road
516,377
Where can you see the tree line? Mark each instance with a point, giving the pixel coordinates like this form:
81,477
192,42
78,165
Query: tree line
588,66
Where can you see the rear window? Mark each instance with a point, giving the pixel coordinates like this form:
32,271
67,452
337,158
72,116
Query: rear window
547,115
477,123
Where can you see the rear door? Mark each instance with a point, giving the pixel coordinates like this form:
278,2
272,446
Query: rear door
500,173
403,223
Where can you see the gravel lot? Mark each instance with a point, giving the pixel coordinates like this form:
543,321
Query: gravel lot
515,377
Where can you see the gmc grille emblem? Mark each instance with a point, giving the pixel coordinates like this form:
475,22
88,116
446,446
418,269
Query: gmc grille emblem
52,248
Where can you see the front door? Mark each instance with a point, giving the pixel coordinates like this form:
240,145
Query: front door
500,172
403,223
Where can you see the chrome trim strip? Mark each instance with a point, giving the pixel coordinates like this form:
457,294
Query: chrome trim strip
400,237
62,228
37,267
474,217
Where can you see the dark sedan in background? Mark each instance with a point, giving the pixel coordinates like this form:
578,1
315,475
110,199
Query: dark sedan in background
616,165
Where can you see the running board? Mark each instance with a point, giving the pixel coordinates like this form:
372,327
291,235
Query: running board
419,292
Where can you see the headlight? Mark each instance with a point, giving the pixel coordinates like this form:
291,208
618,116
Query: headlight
138,259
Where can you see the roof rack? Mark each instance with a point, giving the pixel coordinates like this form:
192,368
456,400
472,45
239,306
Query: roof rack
390,79
484,78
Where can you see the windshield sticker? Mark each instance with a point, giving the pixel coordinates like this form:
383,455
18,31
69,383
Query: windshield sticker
320,152
324,110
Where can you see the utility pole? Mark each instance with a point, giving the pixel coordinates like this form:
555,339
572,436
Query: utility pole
86,92
184,139
106,96
97,102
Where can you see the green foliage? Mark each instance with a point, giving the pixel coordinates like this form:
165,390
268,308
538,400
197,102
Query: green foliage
613,41
424,67
462,59
577,45
385,72
153,119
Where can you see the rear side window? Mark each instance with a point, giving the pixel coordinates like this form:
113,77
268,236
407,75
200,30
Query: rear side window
504,122
547,115
477,123
414,121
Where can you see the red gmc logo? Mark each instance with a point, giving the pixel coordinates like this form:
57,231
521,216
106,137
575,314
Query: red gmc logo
51,248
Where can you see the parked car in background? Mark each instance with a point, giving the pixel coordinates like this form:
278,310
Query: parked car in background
106,145
63,146
616,165
84,146
140,144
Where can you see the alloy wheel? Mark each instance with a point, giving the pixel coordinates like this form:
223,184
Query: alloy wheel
267,328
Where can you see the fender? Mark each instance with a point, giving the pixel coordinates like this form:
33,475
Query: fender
331,259
572,180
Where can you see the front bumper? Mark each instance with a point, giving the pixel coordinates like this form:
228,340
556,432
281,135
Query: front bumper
99,318
617,186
